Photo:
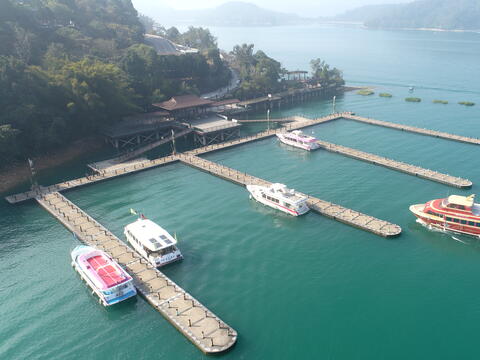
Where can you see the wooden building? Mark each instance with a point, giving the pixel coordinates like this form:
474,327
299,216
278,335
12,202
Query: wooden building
185,107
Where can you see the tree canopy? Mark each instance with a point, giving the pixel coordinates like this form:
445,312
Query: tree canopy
70,67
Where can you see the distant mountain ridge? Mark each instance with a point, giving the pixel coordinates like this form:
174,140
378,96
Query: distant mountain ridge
366,13
235,13
422,14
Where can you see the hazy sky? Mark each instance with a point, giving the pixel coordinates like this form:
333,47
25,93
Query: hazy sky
311,8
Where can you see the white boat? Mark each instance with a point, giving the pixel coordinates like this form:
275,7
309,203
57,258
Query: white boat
279,197
153,242
298,139
103,275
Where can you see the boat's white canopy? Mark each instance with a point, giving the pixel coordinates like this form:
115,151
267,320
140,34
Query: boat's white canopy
151,235
467,201
287,193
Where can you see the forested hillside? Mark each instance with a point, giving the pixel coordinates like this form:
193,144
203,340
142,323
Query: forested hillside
69,67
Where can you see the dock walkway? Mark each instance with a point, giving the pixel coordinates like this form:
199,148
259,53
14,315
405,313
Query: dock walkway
298,123
92,179
114,162
398,165
203,328
325,208
413,129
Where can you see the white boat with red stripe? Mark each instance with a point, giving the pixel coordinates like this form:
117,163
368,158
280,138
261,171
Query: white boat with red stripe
279,197
108,280
298,139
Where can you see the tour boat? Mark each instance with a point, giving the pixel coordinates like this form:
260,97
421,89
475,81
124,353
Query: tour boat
298,139
153,242
457,214
279,197
103,275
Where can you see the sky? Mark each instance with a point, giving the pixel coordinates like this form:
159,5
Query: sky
308,8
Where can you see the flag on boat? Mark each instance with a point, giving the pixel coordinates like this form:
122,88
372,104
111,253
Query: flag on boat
133,212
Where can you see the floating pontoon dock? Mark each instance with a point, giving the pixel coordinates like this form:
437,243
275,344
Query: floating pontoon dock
197,323
203,328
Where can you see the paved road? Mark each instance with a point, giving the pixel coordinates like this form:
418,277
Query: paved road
234,82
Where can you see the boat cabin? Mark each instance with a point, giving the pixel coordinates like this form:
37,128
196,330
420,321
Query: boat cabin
279,192
464,203
299,136
154,240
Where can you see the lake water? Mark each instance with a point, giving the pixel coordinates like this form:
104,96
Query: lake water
302,288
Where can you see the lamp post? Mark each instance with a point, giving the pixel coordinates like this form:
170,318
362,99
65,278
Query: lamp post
333,104
268,111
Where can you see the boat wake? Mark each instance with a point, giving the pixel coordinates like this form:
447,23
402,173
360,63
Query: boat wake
443,231
457,239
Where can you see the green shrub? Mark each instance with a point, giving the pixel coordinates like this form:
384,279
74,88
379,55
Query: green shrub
385,95
413,99
365,92
440,102
466,103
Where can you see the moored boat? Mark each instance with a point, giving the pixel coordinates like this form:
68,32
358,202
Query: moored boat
298,139
279,197
103,275
457,214
153,242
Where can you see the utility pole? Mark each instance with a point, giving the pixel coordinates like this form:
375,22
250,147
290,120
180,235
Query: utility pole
173,143
33,173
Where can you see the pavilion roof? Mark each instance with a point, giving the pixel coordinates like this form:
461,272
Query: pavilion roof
183,102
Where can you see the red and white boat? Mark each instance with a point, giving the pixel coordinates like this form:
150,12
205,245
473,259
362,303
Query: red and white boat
103,275
457,214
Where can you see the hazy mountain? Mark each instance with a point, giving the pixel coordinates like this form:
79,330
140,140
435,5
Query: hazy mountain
228,14
366,13
441,14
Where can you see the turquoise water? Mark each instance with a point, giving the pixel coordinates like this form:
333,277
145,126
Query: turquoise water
305,287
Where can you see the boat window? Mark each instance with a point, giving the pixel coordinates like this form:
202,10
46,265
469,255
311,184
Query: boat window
477,224
461,207
264,196
464,222
448,218
456,220
471,223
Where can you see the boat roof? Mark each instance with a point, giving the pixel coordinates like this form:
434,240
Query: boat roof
467,201
301,135
150,234
286,192
105,273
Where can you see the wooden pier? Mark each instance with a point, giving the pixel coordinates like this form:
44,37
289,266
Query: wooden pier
397,165
102,175
413,129
297,122
325,208
197,323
